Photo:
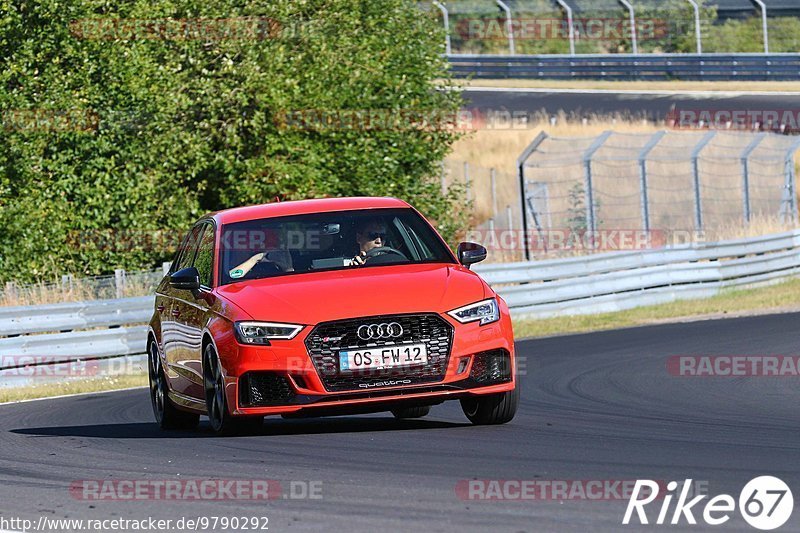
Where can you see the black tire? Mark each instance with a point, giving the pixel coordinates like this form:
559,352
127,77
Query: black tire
491,408
411,412
167,415
222,421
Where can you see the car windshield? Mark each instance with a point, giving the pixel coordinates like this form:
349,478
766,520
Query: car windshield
327,241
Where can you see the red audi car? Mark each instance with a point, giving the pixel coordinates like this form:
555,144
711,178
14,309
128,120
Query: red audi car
326,307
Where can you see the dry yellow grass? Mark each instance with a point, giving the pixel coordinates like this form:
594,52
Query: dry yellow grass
617,180
73,387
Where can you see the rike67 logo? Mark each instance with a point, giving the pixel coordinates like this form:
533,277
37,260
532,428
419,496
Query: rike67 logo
765,503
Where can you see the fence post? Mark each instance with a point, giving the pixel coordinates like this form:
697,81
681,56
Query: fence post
119,282
446,17
165,266
523,157
654,140
571,24
746,174
493,181
698,206
510,218
509,26
443,179
789,199
66,282
11,291
591,221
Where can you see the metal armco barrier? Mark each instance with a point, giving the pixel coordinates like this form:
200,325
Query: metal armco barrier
623,280
710,67
580,285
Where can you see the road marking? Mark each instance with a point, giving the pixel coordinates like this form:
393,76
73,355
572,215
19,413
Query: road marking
70,396
643,92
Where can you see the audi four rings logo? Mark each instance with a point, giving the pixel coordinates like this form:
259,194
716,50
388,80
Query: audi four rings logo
391,330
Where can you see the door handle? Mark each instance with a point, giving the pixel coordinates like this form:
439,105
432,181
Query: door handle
176,313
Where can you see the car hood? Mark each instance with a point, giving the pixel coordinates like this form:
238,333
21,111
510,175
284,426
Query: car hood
314,297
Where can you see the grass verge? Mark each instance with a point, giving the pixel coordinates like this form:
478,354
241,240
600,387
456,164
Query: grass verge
72,387
782,297
730,86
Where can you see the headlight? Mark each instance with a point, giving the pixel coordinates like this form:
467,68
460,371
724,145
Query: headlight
263,332
485,311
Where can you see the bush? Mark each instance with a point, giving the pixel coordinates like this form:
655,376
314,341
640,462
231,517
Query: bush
112,126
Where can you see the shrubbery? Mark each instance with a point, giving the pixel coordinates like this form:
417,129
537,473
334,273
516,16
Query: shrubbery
161,129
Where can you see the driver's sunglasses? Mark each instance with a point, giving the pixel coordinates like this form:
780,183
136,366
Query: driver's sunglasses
375,235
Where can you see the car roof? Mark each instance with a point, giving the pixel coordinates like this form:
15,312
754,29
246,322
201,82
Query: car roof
304,207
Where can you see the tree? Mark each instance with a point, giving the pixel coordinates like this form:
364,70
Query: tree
144,116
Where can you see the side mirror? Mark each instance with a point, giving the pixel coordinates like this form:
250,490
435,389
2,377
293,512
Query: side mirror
187,279
470,253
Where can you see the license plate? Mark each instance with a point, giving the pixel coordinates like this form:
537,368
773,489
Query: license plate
383,357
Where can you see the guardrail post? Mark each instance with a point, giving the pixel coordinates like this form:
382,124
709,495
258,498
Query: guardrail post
654,140
698,202
571,23
446,16
591,221
119,282
523,157
746,174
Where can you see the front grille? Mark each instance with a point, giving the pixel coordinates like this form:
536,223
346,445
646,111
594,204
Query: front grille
491,367
327,339
262,389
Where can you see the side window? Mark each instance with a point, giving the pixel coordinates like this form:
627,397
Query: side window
204,261
188,249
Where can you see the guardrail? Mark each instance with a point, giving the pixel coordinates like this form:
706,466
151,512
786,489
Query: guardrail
704,67
623,280
580,285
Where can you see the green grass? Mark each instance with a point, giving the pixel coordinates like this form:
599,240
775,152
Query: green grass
780,297
72,387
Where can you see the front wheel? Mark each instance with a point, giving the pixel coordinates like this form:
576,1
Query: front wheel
222,421
167,415
491,408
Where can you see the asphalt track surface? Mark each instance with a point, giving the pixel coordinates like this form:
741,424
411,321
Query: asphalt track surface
651,105
598,406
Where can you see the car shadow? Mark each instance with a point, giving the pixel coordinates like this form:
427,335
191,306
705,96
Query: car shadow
272,427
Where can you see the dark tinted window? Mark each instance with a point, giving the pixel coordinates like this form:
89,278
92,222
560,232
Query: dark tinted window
327,241
204,260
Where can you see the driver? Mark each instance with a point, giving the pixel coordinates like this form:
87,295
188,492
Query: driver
370,234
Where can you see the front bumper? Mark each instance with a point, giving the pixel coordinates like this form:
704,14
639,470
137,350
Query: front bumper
288,369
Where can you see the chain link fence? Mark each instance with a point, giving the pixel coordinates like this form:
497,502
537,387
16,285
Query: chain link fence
704,181
121,284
